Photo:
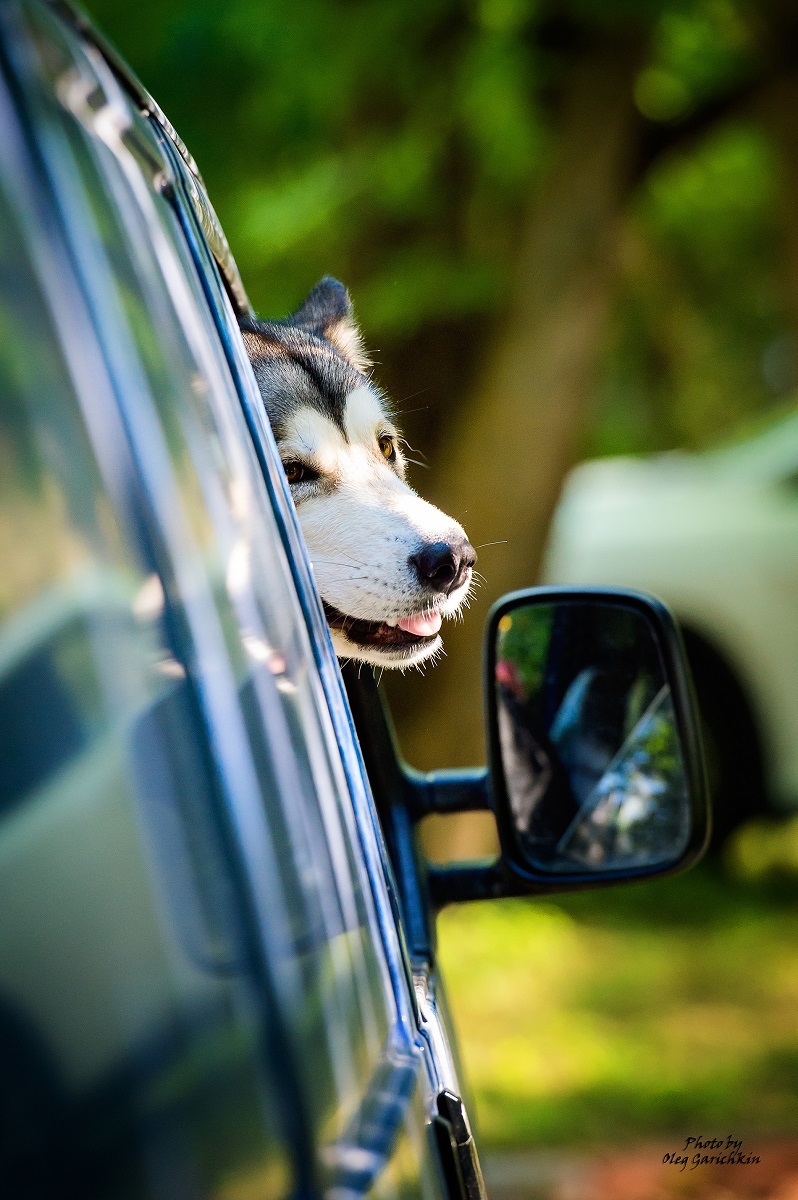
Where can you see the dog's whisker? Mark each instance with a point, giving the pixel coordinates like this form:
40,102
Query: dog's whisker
413,449
500,542
319,558
348,577
345,566
417,462
421,392
336,562
406,412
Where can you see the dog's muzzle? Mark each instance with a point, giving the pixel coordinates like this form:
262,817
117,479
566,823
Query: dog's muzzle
440,569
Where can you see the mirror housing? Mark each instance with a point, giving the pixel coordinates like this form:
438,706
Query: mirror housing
594,755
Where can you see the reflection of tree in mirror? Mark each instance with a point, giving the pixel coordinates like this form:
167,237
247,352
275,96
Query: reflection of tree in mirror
638,813
523,640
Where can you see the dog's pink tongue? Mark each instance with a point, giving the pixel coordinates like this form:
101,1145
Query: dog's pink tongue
421,625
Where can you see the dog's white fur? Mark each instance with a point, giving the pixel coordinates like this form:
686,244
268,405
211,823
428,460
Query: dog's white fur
361,534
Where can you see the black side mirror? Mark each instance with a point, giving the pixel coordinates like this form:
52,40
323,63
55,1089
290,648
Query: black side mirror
595,769
595,761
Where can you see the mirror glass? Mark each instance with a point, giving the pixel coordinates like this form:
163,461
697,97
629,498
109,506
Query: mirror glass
588,738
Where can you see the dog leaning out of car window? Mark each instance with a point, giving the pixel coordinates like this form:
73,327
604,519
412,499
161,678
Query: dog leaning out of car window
389,566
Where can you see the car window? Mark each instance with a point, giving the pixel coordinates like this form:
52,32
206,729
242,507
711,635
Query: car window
230,529
129,1015
227,588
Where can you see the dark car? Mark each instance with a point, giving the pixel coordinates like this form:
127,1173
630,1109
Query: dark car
217,959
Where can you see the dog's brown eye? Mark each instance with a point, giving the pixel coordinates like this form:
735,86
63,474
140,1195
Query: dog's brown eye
387,447
297,472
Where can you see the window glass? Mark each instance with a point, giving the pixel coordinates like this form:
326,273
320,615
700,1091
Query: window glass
223,544
131,1026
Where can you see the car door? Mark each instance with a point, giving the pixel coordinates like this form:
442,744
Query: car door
260,886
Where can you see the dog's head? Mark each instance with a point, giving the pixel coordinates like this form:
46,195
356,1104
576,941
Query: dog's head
388,565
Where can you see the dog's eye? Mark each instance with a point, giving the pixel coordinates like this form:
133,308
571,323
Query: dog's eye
387,447
297,472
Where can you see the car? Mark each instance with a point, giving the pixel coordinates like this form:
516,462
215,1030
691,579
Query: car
712,534
218,974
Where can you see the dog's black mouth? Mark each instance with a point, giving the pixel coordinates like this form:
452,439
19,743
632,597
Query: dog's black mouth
374,633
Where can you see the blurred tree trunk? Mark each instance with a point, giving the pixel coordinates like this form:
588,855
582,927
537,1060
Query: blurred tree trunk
778,109
502,468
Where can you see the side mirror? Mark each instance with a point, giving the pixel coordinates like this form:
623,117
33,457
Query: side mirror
595,761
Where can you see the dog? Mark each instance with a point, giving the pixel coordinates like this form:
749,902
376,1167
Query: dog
389,566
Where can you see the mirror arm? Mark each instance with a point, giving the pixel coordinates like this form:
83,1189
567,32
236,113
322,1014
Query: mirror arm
447,791
485,880
491,879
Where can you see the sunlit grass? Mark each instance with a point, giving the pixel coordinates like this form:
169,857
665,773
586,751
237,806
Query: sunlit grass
631,1013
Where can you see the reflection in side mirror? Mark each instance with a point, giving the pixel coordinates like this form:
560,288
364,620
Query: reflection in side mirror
595,761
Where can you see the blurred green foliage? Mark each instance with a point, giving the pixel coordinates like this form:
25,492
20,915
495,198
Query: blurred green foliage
765,850
399,145
387,143
602,1019
702,337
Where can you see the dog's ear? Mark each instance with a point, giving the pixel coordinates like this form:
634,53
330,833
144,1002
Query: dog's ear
327,312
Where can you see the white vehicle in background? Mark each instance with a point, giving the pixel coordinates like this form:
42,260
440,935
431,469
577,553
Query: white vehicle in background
715,535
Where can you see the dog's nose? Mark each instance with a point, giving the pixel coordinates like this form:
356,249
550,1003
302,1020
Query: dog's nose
444,565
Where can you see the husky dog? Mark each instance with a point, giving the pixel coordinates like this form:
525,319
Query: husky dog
388,565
